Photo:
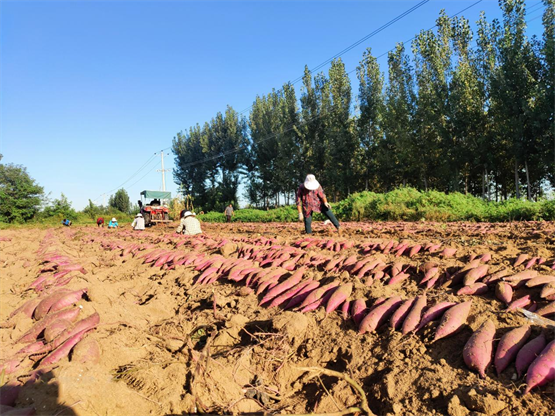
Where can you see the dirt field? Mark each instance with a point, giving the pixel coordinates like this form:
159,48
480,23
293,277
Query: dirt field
167,345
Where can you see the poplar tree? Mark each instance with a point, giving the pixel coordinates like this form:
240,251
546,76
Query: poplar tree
369,123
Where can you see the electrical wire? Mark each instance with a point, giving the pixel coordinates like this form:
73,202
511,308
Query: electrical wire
237,148
358,42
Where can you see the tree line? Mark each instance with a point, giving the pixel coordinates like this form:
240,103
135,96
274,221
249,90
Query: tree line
464,111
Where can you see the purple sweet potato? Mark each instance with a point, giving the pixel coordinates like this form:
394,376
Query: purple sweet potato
288,294
398,278
63,350
86,351
519,303
298,298
547,290
548,309
44,306
321,301
401,313
285,285
520,259
504,292
67,300
473,289
540,280
475,274
542,369
358,309
448,252
339,296
434,313
494,277
379,315
429,274
56,328
317,294
477,351
528,353
522,276
509,345
413,318
452,320
345,308
33,333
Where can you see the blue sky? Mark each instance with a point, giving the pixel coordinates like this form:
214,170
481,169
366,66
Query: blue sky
90,90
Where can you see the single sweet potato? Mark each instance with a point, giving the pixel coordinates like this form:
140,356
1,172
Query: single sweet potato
542,369
340,295
509,345
528,353
504,292
358,310
473,289
413,318
477,350
452,320
379,315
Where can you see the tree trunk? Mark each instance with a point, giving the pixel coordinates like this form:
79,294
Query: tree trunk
484,183
466,184
527,181
425,184
516,180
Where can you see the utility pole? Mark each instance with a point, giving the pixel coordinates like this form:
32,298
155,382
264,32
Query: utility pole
163,170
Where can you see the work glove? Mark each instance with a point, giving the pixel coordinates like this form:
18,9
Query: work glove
328,205
301,216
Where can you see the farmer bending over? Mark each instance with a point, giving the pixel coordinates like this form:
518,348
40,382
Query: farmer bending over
138,223
311,198
189,225
113,223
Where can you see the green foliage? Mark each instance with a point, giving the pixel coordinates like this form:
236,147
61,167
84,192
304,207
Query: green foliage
59,209
465,112
20,195
120,201
409,204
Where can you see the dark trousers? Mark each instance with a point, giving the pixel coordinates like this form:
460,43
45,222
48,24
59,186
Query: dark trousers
228,218
327,212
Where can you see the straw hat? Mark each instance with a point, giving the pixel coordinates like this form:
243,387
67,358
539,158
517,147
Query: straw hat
138,215
311,183
114,220
188,214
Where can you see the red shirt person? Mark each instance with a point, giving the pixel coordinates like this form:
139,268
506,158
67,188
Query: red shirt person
311,198
100,221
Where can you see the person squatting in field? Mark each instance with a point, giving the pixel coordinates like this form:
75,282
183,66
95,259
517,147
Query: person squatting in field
138,223
189,225
100,222
113,223
66,222
311,198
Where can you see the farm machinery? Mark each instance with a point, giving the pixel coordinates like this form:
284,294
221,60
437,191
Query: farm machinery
154,207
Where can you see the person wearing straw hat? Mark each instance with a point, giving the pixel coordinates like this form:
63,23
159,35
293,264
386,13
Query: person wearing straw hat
311,198
138,223
189,224
113,223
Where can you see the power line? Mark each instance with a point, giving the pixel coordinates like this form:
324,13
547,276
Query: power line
149,161
236,149
358,42
408,40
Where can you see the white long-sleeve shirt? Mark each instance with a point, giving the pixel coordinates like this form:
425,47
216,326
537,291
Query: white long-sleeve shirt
138,223
189,226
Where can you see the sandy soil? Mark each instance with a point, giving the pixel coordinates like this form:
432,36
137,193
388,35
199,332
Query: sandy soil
169,346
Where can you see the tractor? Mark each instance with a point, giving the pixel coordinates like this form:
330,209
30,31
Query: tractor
154,207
